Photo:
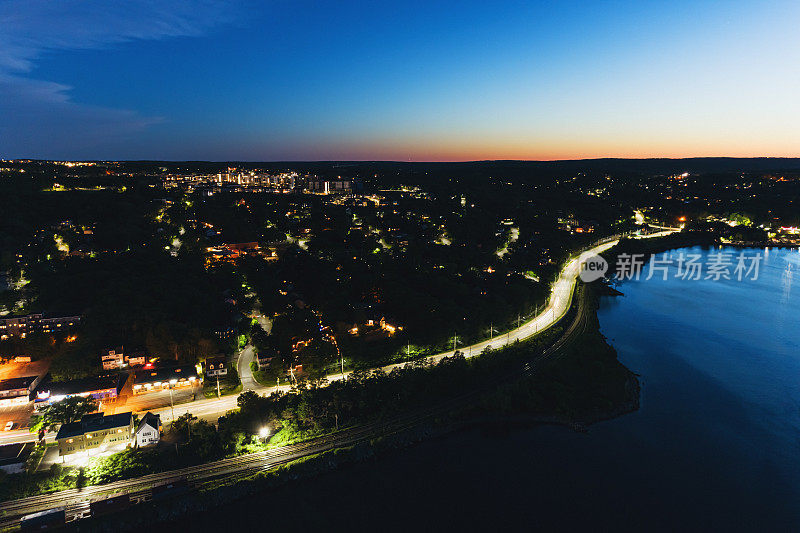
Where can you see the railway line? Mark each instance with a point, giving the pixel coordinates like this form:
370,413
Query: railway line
76,502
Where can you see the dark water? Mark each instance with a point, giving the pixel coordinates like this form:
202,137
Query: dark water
715,445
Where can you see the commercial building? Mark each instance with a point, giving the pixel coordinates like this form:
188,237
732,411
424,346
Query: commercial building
155,379
15,391
330,186
95,433
103,388
113,359
137,358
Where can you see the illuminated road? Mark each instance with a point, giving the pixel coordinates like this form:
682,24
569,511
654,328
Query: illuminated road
76,501
557,306
246,357
512,238
560,299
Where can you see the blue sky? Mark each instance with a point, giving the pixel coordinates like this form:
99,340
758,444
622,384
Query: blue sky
403,81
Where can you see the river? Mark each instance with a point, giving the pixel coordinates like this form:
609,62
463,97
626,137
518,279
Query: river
715,444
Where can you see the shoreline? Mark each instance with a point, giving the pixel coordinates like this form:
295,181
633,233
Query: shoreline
449,422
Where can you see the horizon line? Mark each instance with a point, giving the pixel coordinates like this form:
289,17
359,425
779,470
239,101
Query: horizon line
449,161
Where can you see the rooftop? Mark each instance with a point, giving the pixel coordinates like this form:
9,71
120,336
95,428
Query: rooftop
151,375
91,384
94,422
15,453
151,420
17,383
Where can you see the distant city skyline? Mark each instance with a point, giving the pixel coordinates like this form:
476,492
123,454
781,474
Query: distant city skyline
418,81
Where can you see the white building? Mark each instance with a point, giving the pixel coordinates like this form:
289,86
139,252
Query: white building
136,359
149,430
113,359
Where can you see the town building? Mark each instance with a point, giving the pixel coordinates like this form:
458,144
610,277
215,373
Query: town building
155,379
113,359
95,433
104,388
149,430
330,186
137,358
264,359
23,325
230,253
16,391
216,367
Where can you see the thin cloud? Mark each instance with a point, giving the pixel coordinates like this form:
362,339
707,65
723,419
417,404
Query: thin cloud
39,116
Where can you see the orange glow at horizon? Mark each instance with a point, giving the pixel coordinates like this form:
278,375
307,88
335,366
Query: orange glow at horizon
473,150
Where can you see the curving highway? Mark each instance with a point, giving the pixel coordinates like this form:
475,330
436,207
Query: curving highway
557,306
559,303
76,501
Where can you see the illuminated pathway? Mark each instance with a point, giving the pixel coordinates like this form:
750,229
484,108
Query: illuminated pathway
556,308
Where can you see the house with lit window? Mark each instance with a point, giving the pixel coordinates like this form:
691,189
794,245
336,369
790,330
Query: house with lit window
215,367
95,433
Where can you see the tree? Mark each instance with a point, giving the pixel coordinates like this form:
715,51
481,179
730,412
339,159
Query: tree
66,411
183,425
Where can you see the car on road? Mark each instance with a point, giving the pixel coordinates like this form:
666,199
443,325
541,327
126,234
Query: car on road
9,425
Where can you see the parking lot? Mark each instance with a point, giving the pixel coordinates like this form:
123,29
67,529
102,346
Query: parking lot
19,414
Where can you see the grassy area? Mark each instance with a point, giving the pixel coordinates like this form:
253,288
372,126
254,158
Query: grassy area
290,435
268,377
226,388
22,485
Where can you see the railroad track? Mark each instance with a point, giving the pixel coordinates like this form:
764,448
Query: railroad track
76,501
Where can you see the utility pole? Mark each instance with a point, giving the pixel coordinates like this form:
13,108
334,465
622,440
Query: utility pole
218,393
172,407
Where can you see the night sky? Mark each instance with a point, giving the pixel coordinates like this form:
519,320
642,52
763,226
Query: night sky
298,80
